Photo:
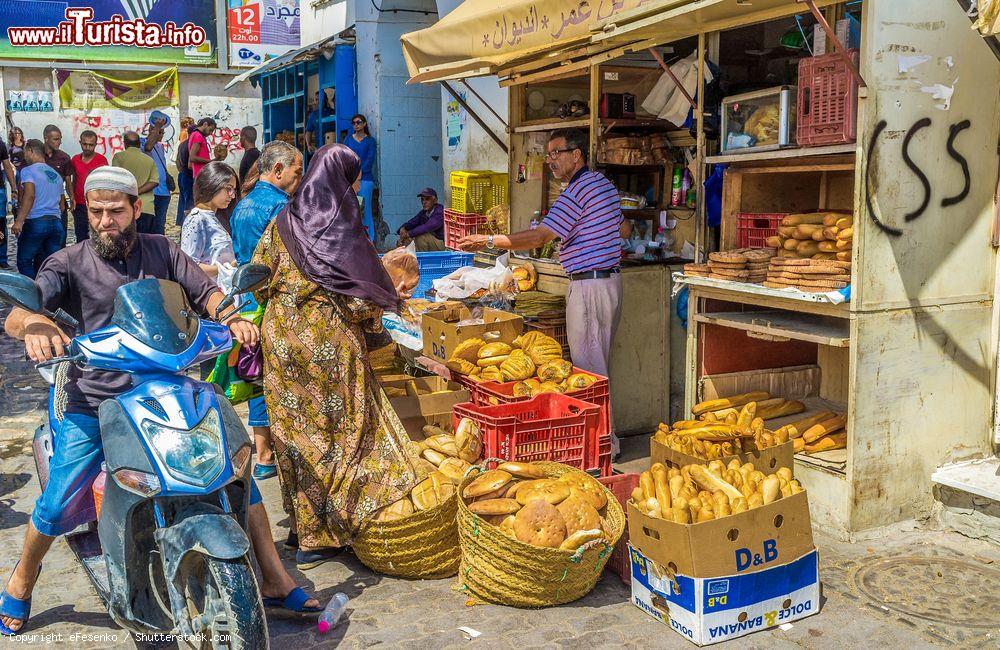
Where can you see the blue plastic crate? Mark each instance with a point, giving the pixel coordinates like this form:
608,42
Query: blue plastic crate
437,264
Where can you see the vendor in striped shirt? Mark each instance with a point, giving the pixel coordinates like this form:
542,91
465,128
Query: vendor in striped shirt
587,218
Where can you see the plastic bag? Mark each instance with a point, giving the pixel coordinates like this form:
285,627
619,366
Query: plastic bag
472,282
224,374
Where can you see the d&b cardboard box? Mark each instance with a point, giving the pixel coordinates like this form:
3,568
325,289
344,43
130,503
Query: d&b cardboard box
766,460
430,408
728,577
442,332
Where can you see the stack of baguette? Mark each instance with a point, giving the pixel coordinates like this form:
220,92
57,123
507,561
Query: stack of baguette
728,409
697,493
740,265
808,275
824,431
713,438
815,235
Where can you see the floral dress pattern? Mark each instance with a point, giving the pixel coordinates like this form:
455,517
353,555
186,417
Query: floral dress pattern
340,447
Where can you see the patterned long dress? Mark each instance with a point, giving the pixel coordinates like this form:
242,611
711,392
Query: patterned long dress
339,445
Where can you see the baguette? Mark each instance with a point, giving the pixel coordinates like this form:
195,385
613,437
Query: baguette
833,232
798,445
817,431
819,235
781,410
846,233
827,246
746,414
831,219
647,485
711,482
807,248
660,486
844,244
733,401
811,421
844,256
775,241
786,231
790,244
806,230
770,489
828,443
845,223
799,219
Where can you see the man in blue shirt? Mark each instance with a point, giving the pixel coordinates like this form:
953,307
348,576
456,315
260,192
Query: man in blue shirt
153,146
280,167
38,226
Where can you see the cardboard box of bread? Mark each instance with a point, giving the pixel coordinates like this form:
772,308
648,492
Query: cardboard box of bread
813,252
420,401
719,551
446,328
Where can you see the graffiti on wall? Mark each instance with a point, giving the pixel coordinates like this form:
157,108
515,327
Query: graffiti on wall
230,114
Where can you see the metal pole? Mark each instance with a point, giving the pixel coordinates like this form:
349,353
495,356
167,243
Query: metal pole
485,103
666,68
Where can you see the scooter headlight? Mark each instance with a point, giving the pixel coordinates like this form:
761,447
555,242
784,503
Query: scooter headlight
195,457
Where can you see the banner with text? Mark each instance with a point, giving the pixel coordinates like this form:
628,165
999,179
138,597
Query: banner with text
121,31
87,90
261,30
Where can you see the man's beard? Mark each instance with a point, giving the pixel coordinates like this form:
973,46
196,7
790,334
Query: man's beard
114,247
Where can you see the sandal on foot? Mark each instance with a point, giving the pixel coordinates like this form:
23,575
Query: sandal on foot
263,471
15,608
306,560
292,604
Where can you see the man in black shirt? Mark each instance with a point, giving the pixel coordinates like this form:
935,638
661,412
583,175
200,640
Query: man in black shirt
60,161
248,140
10,189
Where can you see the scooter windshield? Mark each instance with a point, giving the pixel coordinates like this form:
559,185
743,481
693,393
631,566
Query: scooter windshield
157,313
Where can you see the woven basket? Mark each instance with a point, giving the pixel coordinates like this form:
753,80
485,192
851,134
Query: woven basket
497,568
423,545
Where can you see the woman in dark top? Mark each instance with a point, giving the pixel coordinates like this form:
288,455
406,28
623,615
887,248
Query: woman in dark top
15,149
362,143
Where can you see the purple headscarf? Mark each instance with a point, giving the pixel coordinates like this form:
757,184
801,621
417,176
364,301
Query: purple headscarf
322,230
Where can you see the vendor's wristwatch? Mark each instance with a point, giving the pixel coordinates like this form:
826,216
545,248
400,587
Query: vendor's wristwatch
489,242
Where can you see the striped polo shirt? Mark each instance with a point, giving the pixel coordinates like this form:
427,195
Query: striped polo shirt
587,217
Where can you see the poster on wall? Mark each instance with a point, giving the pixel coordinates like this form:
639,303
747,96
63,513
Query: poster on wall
261,29
115,31
29,101
85,90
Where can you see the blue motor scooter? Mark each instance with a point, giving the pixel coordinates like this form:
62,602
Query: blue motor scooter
169,553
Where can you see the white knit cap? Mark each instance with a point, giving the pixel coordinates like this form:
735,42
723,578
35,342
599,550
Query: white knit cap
116,179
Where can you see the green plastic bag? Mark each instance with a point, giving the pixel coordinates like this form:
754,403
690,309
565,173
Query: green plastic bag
224,375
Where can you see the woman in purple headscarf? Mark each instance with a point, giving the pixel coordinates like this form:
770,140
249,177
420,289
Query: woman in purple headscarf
340,448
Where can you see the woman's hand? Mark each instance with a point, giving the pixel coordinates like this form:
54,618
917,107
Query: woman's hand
244,332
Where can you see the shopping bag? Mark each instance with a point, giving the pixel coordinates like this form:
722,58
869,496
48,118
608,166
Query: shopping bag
230,369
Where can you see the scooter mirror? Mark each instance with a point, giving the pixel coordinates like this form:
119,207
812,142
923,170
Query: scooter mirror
250,277
21,291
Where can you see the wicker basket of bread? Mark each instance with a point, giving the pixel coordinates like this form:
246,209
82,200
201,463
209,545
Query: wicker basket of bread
417,537
534,534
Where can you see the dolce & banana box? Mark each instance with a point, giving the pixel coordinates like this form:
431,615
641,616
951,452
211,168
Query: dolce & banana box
443,330
729,577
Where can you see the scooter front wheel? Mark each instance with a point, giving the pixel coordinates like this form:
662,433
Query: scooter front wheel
224,605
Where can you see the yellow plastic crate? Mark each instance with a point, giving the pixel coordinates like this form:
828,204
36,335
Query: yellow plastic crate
475,192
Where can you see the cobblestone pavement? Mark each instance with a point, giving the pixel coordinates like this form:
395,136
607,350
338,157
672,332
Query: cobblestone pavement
910,589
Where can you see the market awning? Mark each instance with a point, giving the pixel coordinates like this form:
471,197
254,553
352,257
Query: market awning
308,52
478,38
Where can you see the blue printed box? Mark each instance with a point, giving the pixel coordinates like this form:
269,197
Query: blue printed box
710,610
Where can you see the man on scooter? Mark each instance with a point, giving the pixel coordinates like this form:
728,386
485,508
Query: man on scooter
82,280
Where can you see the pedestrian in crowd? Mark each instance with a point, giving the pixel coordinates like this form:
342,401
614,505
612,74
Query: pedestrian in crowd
10,186
220,152
426,228
362,143
339,445
187,123
203,237
185,177
37,226
198,150
587,217
314,127
143,168
153,147
279,173
15,148
114,255
248,142
60,161
83,163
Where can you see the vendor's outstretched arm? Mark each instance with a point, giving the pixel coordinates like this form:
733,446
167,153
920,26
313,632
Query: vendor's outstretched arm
518,241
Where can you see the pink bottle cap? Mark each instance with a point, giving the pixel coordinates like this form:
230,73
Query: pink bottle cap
323,627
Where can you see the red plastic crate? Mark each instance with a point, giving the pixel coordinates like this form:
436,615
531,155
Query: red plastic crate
460,224
550,427
753,229
555,332
827,101
491,393
621,485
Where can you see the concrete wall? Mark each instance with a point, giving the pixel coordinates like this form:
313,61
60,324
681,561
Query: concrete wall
322,19
472,148
239,107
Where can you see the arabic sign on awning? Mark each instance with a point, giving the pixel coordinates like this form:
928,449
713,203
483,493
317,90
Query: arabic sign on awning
87,90
261,30
480,35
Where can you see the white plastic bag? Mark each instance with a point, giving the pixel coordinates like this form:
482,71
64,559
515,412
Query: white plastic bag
464,282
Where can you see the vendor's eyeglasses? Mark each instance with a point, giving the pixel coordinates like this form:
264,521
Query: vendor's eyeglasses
552,155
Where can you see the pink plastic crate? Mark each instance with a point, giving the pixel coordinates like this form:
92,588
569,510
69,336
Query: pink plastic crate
550,427
460,224
621,485
753,229
827,101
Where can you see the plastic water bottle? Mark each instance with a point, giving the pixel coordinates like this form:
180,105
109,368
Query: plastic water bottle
331,615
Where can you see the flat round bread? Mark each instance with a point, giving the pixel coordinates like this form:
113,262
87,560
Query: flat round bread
495,507
548,490
578,513
488,481
589,486
522,470
539,523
